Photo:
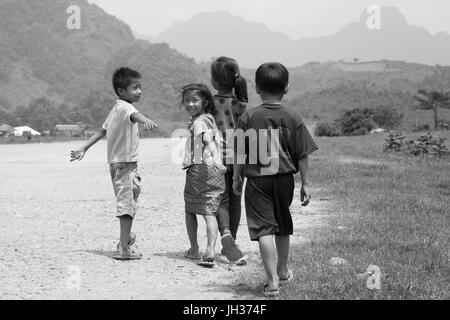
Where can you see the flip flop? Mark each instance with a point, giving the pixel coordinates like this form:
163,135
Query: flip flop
231,251
289,278
126,257
270,293
188,254
207,262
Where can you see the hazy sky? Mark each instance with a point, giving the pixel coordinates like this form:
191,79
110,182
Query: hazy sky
296,18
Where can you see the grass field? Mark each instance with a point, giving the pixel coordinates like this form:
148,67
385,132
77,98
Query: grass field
391,211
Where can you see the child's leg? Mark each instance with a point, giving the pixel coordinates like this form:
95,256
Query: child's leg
191,227
212,229
282,243
223,219
223,214
234,205
269,257
126,223
234,214
122,175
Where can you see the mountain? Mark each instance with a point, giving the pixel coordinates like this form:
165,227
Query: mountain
41,56
44,65
221,33
395,40
51,75
214,34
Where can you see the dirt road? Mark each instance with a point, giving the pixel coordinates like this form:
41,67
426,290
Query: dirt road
58,231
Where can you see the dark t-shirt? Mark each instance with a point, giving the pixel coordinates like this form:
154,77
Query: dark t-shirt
275,139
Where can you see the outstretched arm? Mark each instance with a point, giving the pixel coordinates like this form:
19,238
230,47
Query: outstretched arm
303,166
79,154
137,117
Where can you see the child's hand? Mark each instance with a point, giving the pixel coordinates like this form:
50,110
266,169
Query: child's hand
305,197
237,186
220,167
77,155
149,125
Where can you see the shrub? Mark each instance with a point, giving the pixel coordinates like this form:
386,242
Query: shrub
327,129
387,117
394,143
357,122
425,145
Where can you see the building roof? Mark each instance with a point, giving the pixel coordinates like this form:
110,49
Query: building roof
21,130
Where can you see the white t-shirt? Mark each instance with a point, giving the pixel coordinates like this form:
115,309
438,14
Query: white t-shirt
122,133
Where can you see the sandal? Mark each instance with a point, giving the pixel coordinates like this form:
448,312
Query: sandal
270,293
242,261
207,262
188,254
125,257
231,251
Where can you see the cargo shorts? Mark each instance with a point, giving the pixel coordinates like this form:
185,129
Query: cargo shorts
127,185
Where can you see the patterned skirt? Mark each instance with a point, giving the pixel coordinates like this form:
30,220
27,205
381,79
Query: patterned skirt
204,189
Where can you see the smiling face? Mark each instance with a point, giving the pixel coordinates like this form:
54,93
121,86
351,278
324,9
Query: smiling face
194,103
133,92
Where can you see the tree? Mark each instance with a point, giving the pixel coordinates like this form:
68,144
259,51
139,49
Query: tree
432,100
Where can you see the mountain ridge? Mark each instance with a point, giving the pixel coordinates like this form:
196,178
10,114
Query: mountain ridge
395,40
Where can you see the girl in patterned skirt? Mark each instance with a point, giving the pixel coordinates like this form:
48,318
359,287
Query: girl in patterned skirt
205,176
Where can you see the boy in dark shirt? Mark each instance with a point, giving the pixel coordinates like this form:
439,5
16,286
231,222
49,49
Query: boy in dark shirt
272,145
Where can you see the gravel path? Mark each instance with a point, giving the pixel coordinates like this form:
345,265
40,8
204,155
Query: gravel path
58,231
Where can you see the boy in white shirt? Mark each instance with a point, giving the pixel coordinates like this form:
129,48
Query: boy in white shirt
121,130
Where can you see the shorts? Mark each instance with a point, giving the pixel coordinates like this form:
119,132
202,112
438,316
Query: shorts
127,185
267,202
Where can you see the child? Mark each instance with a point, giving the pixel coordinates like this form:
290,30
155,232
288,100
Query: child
121,129
270,186
230,103
205,180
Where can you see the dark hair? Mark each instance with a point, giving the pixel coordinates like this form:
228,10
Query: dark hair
225,73
122,78
272,77
204,93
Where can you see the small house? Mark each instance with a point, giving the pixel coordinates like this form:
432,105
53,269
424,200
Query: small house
25,131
